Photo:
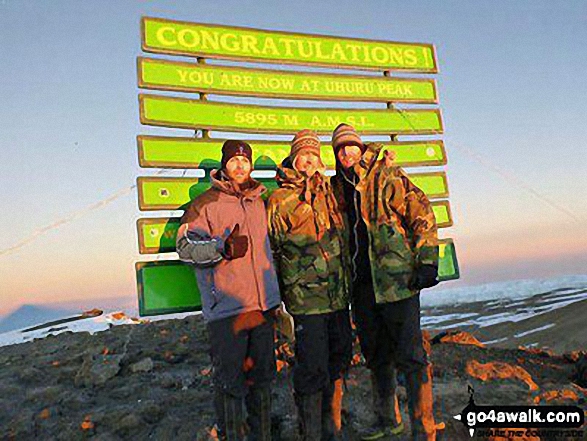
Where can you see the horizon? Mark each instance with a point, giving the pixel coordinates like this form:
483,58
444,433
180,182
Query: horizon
511,96
124,302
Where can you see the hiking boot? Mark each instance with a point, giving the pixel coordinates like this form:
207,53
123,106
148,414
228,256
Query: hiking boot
419,390
309,416
387,418
332,411
233,429
258,403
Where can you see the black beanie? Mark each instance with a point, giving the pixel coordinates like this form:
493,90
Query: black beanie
232,148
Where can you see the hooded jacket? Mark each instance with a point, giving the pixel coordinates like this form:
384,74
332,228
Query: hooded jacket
230,287
305,228
401,227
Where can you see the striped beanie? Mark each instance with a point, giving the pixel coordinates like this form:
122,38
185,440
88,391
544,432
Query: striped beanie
344,135
305,140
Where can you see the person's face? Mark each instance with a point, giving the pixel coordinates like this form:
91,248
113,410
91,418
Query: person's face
348,156
307,163
238,169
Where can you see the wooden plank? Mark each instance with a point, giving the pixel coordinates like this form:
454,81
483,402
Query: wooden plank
170,286
176,152
159,193
197,114
246,44
448,265
224,80
158,235
166,287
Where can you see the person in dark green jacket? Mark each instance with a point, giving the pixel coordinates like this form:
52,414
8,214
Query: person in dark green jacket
305,230
393,244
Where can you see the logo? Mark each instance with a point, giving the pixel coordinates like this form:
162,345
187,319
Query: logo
532,418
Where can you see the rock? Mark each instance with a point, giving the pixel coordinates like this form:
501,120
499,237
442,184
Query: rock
44,395
166,381
151,412
580,376
127,425
29,375
457,337
181,380
97,370
145,365
21,427
106,436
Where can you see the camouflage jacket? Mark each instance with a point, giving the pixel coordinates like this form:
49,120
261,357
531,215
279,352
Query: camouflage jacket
305,230
400,224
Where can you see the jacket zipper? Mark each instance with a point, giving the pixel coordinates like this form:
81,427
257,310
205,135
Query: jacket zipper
325,254
242,201
355,226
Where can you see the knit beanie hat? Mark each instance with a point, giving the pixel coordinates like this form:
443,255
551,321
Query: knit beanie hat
305,140
232,148
344,135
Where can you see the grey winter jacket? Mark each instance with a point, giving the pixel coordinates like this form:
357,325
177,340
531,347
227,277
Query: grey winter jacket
230,287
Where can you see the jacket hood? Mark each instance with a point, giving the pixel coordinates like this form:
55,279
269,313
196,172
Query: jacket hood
370,156
288,177
367,162
253,190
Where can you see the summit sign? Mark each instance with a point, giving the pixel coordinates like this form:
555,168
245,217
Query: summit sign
191,94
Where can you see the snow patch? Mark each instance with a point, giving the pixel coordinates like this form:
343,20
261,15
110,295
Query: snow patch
532,331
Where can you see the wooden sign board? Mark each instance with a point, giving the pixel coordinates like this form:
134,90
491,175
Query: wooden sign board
224,80
161,193
246,44
158,235
184,153
196,114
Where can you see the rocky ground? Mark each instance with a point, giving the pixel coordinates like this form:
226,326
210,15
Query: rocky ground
152,381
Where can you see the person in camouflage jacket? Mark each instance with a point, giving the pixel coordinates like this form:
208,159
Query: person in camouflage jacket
305,229
392,239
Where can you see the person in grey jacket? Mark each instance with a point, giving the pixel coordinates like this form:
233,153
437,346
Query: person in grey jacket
224,234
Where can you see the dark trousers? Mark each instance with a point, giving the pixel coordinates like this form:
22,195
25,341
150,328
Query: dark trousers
323,350
242,351
389,333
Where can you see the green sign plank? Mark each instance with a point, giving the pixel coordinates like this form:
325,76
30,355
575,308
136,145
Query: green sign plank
448,265
246,44
196,114
175,152
442,214
170,286
158,193
167,193
166,287
434,184
203,78
157,235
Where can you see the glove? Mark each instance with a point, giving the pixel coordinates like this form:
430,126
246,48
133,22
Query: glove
235,245
424,277
285,323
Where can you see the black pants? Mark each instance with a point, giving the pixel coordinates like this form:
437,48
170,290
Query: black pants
389,333
323,350
242,351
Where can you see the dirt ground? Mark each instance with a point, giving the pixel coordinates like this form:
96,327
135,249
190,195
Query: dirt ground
153,381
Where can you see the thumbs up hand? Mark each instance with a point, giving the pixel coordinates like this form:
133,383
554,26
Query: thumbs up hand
235,245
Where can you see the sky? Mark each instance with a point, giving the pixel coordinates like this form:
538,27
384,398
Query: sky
512,94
